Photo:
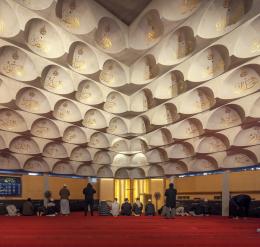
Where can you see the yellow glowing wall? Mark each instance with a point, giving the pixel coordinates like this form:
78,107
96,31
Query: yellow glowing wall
122,189
107,189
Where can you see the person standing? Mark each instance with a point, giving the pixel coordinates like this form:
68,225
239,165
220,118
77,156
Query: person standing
89,192
126,208
170,195
137,207
115,208
64,201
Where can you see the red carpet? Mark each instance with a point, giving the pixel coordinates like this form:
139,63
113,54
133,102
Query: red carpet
77,230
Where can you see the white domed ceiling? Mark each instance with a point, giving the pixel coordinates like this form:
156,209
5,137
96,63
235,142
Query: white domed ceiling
176,91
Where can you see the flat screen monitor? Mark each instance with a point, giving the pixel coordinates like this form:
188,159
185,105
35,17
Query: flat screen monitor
10,186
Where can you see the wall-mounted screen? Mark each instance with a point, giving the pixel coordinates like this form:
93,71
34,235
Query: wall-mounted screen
10,186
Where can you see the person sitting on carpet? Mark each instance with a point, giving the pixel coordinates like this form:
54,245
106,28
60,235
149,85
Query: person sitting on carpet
115,209
126,208
64,201
104,209
12,210
239,205
51,209
137,207
28,209
149,208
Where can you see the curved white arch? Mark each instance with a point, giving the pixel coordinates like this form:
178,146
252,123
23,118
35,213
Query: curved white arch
45,128
55,150
80,154
75,135
104,172
99,140
62,168
24,145
117,126
155,171
8,162
115,103
102,158
94,119
36,164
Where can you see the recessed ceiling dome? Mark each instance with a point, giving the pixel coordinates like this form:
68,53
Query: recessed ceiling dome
16,64
2,143
109,36
213,144
43,39
5,96
75,135
24,145
89,93
8,162
75,16
155,171
121,160
86,170
160,137
248,137
45,128
239,159
181,150
104,172
12,121
66,110
82,58
175,168
136,173
32,100
35,4
198,100
165,114
117,126
57,80
170,85
157,155
254,111
203,164
225,117
112,74
142,101
180,44
148,31
144,70
222,17
209,63
99,140
138,145
122,173
241,82
80,154
94,119
115,103
188,128
9,26
63,168
36,165
55,150
102,158
139,159
140,125
178,9
119,145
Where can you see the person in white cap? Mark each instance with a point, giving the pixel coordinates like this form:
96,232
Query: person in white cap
149,208
64,201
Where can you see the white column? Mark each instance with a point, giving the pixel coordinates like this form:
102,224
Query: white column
225,194
45,182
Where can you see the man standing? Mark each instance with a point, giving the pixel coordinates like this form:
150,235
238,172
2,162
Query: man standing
64,201
89,192
126,208
170,195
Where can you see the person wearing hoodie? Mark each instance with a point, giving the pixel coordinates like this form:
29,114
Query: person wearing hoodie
89,192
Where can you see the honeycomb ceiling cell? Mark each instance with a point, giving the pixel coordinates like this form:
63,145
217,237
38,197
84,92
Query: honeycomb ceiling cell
222,16
75,16
94,119
178,9
57,80
248,136
180,150
16,64
144,70
210,63
140,125
117,126
203,164
63,168
2,143
74,135
105,172
45,128
148,31
138,145
32,100
142,101
170,85
9,25
80,154
102,158
12,121
119,145
109,36
158,155
160,137
121,160
139,159
8,162
98,140
254,112
122,173
112,74
243,81
82,58
115,103
35,4
155,171
24,145
5,95
36,165
86,170
66,110
55,150
175,168
178,46
239,160
43,39
136,173
89,93
165,114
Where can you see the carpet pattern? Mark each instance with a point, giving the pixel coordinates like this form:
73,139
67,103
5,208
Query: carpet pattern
77,230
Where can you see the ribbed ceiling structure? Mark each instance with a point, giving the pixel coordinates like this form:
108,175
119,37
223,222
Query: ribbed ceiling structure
82,93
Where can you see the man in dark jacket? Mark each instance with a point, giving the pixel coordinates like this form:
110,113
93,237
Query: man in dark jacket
126,208
28,209
239,205
149,208
170,195
89,192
